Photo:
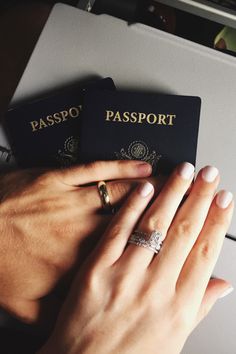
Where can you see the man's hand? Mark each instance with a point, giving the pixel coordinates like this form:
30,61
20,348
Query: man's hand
48,222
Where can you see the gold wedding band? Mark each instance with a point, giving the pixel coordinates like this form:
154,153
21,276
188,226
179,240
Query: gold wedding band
104,195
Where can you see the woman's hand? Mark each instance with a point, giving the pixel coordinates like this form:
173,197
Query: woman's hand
47,224
127,300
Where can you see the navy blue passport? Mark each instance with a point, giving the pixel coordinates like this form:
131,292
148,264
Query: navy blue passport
46,132
157,128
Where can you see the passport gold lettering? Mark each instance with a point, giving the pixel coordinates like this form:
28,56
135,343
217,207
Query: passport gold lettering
64,114
117,117
140,118
110,114
151,118
34,125
74,112
126,117
171,117
42,124
55,118
133,117
162,119
50,120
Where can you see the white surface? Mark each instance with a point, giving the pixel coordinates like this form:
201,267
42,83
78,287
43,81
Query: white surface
75,45
206,9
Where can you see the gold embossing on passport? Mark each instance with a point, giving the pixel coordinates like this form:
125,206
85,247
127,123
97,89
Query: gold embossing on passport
140,118
138,150
69,154
55,118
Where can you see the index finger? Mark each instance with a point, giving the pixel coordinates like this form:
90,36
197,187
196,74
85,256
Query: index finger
103,170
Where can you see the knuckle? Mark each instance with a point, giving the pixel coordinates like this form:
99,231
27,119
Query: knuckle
132,210
153,223
89,165
116,231
217,221
205,192
46,178
91,279
54,264
175,185
122,163
67,230
95,165
149,302
183,227
120,287
44,206
184,318
182,314
205,250
117,190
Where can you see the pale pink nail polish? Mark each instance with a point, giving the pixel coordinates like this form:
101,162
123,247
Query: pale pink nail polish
227,292
186,170
224,199
209,174
146,189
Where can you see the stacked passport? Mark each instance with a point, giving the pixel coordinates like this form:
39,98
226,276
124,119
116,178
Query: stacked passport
159,129
46,131
97,122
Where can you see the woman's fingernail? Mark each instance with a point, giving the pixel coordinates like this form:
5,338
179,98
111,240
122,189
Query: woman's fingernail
146,189
209,174
144,168
186,170
226,292
224,199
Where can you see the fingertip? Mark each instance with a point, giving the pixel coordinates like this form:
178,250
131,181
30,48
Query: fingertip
143,169
209,174
226,292
219,288
134,168
186,170
145,189
224,199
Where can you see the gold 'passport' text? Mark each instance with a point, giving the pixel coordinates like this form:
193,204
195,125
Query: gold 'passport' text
140,118
56,118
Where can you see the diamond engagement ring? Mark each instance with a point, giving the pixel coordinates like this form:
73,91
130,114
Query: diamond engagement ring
152,241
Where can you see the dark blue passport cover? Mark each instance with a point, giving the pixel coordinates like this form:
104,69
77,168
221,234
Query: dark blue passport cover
46,132
157,128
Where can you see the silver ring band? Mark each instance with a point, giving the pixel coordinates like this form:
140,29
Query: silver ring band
152,241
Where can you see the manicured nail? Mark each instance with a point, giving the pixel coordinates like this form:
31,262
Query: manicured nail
226,292
186,170
146,189
144,169
224,199
209,174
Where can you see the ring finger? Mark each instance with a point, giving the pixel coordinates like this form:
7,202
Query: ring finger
161,213
118,191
